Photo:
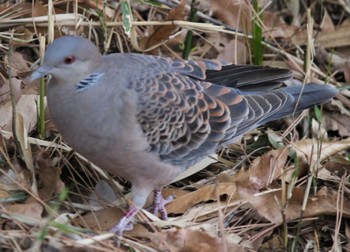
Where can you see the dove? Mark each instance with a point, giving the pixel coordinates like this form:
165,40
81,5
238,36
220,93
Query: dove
148,118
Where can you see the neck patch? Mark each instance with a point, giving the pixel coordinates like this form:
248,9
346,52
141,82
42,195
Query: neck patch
89,81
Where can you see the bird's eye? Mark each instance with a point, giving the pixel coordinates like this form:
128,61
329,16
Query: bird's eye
69,59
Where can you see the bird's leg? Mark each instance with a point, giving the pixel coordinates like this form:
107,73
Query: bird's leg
124,222
158,205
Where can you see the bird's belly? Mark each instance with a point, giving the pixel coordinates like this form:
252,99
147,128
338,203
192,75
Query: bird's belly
138,167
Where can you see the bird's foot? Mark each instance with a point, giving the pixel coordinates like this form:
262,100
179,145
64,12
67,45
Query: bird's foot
158,205
125,223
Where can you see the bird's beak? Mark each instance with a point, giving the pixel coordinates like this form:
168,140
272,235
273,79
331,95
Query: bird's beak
38,73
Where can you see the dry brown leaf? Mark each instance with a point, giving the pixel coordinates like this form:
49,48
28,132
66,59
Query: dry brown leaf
105,219
272,20
100,220
268,168
206,193
235,13
182,240
326,202
311,151
39,9
18,63
337,38
327,23
228,48
33,210
49,181
338,166
337,122
5,92
26,106
6,115
163,32
269,205
100,5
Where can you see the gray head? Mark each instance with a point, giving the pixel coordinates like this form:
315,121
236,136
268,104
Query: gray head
66,57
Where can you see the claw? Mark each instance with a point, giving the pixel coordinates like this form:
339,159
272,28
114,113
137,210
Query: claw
158,205
125,222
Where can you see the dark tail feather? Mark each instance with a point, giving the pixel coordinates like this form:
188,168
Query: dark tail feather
312,94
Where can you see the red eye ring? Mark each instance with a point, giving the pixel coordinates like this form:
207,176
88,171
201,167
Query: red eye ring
69,59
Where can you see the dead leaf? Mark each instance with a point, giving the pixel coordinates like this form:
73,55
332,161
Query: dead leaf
18,63
49,181
311,151
39,10
100,220
268,168
235,13
32,210
163,32
26,106
5,91
206,193
269,205
338,166
327,22
338,38
228,48
190,241
107,218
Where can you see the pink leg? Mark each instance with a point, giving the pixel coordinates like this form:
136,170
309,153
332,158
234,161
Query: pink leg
159,203
124,223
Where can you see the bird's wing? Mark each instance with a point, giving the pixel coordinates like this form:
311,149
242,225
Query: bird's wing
185,117
249,77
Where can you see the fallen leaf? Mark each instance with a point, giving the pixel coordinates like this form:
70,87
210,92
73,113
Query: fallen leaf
235,13
228,48
26,106
33,210
206,193
162,32
269,204
338,165
49,181
107,218
311,151
190,241
268,168
18,63
100,220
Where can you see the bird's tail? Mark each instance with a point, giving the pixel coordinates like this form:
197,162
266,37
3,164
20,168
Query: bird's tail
303,97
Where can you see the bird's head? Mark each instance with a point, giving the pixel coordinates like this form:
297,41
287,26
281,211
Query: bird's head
68,59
